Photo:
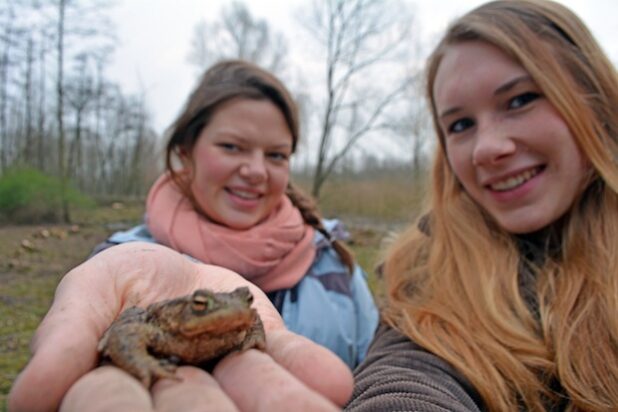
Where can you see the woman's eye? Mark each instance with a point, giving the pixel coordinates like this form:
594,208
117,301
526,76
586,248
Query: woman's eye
523,99
279,156
230,147
460,125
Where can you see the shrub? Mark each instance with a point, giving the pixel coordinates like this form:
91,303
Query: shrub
29,196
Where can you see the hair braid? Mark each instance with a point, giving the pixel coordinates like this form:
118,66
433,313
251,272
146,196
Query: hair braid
308,209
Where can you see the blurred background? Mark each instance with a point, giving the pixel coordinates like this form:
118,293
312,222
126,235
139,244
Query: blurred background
88,89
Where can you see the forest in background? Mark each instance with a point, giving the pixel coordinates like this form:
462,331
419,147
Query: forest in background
59,114
62,118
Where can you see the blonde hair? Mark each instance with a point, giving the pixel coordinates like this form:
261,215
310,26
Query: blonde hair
456,290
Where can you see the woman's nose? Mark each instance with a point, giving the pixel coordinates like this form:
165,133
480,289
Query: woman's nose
492,144
253,167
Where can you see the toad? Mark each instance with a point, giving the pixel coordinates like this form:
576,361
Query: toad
193,329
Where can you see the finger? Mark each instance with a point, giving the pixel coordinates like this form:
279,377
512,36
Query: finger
107,389
92,295
314,365
87,300
256,383
196,392
64,348
48,375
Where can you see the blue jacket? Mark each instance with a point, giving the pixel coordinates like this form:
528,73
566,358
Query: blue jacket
327,306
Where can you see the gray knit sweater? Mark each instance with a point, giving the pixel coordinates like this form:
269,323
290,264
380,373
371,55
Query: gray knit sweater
398,375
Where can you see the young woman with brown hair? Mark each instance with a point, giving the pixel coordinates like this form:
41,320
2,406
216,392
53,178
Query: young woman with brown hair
226,199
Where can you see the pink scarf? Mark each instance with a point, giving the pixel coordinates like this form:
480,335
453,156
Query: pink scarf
274,254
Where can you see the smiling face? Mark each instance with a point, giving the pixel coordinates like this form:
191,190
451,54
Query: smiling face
240,162
510,149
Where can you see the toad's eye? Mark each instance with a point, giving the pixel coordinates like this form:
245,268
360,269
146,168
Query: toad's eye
522,100
202,303
460,125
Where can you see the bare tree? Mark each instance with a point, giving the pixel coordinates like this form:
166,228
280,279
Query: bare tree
45,46
10,40
103,92
410,122
28,91
237,34
23,46
415,126
60,34
80,22
68,119
365,49
80,93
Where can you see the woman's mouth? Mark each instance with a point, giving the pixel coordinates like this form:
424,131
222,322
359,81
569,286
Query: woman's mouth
244,194
515,181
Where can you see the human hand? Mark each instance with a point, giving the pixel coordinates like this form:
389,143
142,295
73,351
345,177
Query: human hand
294,372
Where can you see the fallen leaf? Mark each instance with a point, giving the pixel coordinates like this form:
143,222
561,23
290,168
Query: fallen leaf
28,245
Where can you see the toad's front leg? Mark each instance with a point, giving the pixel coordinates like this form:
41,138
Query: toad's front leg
256,337
126,345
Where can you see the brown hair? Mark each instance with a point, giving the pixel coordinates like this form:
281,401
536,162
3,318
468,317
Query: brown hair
463,303
222,82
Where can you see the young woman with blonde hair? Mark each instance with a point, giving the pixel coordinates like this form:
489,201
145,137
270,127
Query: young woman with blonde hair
505,295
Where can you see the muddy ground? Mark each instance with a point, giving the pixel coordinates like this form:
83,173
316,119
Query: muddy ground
33,259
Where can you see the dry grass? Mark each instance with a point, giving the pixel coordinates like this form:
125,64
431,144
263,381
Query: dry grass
382,200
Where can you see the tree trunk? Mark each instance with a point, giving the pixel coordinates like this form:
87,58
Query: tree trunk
4,74
60,114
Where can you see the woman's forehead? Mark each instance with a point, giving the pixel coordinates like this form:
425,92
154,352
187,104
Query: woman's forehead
469,61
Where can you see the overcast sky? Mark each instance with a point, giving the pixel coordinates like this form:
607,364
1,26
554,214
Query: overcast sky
154,39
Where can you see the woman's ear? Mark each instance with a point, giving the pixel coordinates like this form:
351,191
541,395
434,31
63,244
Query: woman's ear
184,156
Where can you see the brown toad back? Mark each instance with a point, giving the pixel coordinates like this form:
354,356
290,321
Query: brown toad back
194,329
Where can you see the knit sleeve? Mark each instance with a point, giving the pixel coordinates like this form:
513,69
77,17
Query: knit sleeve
398,375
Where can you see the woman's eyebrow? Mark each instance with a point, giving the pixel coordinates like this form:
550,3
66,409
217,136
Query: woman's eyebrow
449,112
512,83
500,90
